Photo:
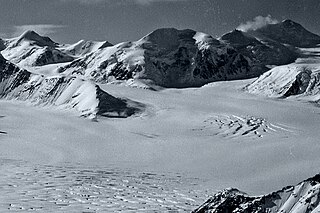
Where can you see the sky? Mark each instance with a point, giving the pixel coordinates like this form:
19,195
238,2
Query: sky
68,21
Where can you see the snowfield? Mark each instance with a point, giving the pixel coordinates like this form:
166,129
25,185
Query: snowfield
183,135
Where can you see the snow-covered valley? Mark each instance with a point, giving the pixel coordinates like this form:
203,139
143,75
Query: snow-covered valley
173,136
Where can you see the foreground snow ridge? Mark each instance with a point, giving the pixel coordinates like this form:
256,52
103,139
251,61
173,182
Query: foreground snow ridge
302,198
70,92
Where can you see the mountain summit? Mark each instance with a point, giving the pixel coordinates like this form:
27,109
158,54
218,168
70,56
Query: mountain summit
36,39
288,32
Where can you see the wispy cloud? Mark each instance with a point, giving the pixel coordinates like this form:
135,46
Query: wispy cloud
140,2
42,29
257,23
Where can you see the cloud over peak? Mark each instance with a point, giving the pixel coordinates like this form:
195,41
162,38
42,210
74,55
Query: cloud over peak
42,29
258,22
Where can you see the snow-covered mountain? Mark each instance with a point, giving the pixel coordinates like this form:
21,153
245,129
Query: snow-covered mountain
272,44
288,32
166,57
31,49
299,80
262,51
302,198
66,91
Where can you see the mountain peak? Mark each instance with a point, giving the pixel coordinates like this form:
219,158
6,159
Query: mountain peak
168,38
288,32
29,34
105,44
239,38
35,38
289,22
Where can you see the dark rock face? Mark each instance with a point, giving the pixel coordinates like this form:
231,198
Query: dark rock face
300,85
193,63
288,32
11,76
302,198
2,45
51,56
262,52
110,106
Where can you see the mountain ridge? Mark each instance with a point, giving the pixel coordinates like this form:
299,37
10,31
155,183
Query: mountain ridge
302,198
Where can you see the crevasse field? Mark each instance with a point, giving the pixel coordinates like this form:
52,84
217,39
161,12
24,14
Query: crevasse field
186,145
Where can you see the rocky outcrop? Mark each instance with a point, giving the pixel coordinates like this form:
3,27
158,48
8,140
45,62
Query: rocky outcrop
302,198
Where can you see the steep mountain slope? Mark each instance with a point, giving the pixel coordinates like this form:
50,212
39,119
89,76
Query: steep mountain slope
31,49
166,57
288,32
261,51
72,92
302,198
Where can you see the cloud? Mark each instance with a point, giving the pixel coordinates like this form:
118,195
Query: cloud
42,29
140,2
257,23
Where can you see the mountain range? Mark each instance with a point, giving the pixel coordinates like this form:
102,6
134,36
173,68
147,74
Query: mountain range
166,57
283,58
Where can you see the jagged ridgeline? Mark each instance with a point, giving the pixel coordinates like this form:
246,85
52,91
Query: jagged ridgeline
302,198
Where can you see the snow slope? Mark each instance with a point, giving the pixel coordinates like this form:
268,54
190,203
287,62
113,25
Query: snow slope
83,47
301,198
299,80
